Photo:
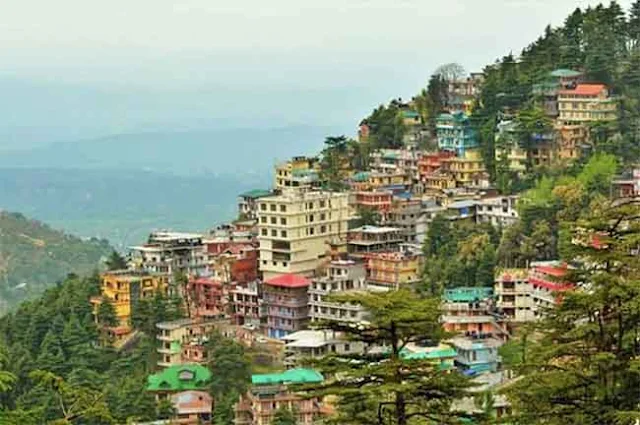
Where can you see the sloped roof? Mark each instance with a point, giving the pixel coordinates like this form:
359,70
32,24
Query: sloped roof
289,280
585,89
292,376
467,294
564,73
256,193
170,379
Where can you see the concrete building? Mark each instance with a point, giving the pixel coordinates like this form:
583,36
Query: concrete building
314,344
508,149
246,304
182,341
208,297
499,210
169,252
406,215
393,270
477,354
342,276
192,408
298,172
378,200
513,295
586,103
286,304
368,239
455,133
124,289
295,229
472,311
177,379
270,392
467,169
248,202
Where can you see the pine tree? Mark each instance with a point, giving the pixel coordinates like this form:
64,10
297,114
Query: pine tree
107,314
284,416
583,366
401,391
51,356
116,261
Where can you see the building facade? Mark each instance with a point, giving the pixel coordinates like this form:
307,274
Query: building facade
286,304
498,211
393,270
341,276
295,229
455,133
170,252
182,341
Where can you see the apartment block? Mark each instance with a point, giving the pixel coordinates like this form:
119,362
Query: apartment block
295,229
393,270
169,252
368,239
182,341
341,276
314,344
472,311
498,211
286,304
246,305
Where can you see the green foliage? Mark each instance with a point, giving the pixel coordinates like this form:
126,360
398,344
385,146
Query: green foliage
107,313
34,256
284,416
458,254
116,261
392,389
334,160
368,216
386,126
582,366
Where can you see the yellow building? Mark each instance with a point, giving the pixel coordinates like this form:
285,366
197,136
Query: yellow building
123,289
467,170
296,227
393,269
379,180
299,171
516,157
438,181
571,140
586,103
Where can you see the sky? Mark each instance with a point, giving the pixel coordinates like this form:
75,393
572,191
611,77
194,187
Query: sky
78,68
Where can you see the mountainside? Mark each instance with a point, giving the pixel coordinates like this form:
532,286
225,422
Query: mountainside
34,256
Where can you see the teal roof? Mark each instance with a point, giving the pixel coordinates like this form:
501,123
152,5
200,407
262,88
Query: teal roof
410,114
390,155
292,376
255,193
457,117
467,294
564,73
361,176
432,354
305,172
176,378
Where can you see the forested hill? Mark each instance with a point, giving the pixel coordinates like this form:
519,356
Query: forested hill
34,256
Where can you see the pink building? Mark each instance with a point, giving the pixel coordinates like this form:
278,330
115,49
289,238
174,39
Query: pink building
286,304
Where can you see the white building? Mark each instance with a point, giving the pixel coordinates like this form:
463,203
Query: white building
341,276
499,211
169,252
310,344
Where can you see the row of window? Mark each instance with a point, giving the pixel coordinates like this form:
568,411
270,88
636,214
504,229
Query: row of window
309,231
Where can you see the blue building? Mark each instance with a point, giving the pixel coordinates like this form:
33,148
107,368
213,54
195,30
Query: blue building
455,133
477,354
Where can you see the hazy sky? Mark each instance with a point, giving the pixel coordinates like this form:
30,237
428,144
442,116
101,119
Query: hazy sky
277,61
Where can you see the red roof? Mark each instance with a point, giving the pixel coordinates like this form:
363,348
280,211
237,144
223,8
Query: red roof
289,280
552,270
586,89
205,281
238,248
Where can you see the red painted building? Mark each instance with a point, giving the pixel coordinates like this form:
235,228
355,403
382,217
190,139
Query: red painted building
429,163
286,303
244,264
208,297
380,201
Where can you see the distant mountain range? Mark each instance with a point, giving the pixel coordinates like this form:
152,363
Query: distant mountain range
34,256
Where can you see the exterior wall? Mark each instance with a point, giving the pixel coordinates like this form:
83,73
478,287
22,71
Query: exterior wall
340,277
393,269
168,253
577,108
295,229
181,341
259,406
368,239
467,169
245,305
513,294
208,297
405,216
286,310
499,211
379,200
455,133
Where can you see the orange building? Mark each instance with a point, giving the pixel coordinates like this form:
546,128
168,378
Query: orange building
393,269
378,200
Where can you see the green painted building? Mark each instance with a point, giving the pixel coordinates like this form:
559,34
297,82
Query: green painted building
179,378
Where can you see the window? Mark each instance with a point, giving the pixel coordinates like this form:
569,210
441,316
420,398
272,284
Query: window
323,229
347,348
322,203
323,217
274,220
263,207
272,207
310,218
263,219
283,208
274,233
284,264
311,230
283,234
264,232
283,221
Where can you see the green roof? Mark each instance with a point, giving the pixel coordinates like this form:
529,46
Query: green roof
563,73
440,353
179,378
361,176
256,193
390,155
467,294
457,117
292,376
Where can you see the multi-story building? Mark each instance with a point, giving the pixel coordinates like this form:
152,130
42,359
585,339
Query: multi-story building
547,91
586,103
313,344
368,239
513,295
169,252
407,216
342,276
395,182
547,285
124,289
396,161
192,408
379,200
508,149
286,304
182,341
393,270
248,202
472,311
430,163
246,304
462,92
208,297
572,141
455,133
296,227
438,181
298,172
234,262
270,392
499,210
477,354
467,169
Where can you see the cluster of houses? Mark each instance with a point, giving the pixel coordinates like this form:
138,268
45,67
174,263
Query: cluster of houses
265,278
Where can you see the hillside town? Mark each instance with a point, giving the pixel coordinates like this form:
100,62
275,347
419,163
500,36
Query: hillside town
325,227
